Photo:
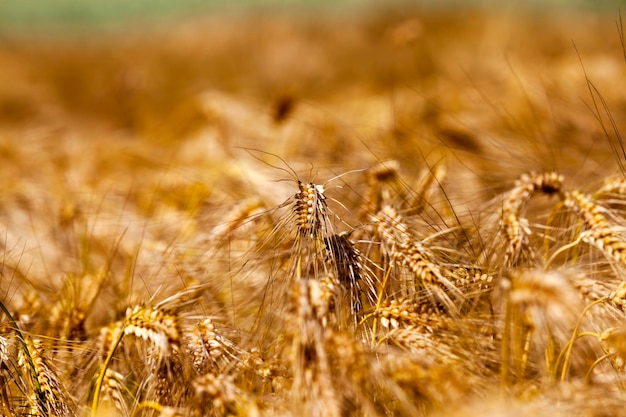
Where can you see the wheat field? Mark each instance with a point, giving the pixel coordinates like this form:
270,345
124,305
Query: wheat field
395,212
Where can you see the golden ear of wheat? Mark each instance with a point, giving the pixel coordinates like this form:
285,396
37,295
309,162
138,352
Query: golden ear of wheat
396,313
56,399
345,264
541,308
310,209
218,390
613,185
618,297
430,275
155,325
113,389
515,226
587,208
382,185
205,346
599,232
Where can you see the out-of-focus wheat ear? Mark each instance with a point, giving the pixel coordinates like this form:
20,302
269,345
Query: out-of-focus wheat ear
590,212
216,394
383,186
514,226
472,281
236,218
541,308
429,275
324,295
613,185
618,297
417,381
162,410
310,208
312,391
598,232
155,325
57,399
613,341
418,329
109,339
113,394
397,313
432,178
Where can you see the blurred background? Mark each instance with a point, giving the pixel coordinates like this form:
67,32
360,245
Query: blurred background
294,74
80,13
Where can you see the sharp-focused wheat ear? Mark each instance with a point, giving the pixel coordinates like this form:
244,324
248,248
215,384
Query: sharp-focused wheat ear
310,209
